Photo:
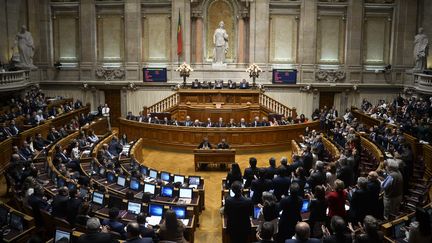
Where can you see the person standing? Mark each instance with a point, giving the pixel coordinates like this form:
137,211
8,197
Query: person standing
238,210
106,114
393,189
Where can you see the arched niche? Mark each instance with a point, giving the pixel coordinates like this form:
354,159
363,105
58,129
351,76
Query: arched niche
216,11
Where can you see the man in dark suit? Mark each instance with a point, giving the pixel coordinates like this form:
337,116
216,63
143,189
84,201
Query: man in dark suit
302,234
220,123
144,230
307,160
113,223
281,184
196,84
256,122
13,128
345,173
243,123
237,210
243,84
133,234
231,84
95,233
115,147
209,123
73,206
205,144
130,116
26,150
271,171
223,144
296,162
53,135
250,173
260,185
40,143
284,165
188,122
58,204
290,207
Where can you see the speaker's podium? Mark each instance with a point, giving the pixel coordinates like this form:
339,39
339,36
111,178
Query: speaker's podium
214,156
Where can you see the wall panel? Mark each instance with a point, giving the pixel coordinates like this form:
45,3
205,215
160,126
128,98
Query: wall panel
110,38
331,39
377,40
156,36
283,38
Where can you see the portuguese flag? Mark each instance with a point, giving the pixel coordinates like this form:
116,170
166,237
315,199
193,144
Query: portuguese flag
179,37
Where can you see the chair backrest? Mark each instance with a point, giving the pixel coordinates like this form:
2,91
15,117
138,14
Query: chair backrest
62,223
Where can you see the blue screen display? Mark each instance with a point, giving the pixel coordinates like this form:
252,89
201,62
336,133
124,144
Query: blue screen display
155,210
110,177
155,74
180,212
143,170
305,206
134,184
166,191
165,176
257,211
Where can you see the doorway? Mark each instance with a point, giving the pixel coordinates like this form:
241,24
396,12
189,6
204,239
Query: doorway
112,98
326,99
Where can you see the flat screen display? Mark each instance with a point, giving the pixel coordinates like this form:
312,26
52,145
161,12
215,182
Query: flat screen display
165,176
284,76
155,210
166,191
179,179
61,236
121,181
134,184
185,193
134,208
305,206
153,174
155,74
149,188
180,212
194,180
98,198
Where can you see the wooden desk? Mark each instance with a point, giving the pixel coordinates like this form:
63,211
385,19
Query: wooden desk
214,156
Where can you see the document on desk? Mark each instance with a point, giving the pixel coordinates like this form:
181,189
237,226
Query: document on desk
185,221
154,220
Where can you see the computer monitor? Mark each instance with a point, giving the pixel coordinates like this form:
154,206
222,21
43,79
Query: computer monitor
256,212
165,176
61,236
143,170
305,206
179,179
134,208
121,181
101,171
194,180
134,184
149,188
166,191
71,186
110,177
155,210
185,193
16,221
4,211
60,182
98,198
153,174
179,211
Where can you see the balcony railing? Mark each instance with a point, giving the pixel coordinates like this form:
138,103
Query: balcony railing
14,79
423,82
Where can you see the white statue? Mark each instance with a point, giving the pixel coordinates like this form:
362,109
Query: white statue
420,50
25,44
220,41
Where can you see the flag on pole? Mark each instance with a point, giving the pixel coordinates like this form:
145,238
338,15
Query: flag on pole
179,37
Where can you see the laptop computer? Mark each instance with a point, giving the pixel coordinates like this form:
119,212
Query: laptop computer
134,208
134,184
121,181
194,181
179,179
185,195
110,176
155,211
153,174
179,211
143,170
62,236
165,176
97,200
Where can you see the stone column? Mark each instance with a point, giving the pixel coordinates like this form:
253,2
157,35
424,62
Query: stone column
87,39
405,29
133,39
307,33
241,40
258,35
354,54
426,23
4,46
199,38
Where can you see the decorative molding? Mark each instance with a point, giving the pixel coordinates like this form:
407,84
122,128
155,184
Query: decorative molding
380,1
333,1
110,73
330,76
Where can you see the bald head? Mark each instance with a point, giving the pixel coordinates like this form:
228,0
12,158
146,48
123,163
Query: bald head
302,231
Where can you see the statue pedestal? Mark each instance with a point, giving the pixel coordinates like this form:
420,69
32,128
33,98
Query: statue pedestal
219,65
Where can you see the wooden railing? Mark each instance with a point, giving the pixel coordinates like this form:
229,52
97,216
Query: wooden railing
331,147
165,104
7,78
276,107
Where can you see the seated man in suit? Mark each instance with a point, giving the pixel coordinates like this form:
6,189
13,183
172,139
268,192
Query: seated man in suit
302,234
133,234
188,122
96,233
26,150
223,144
106,154
243,84
220,123
209,123
53,135
114,223
115,147
40,143
130,116
231,123
238,210
196,84
243,123
205,144
218,84
256,122
231,84
20,154
13,128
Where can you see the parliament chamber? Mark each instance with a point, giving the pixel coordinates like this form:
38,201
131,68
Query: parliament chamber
229,121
